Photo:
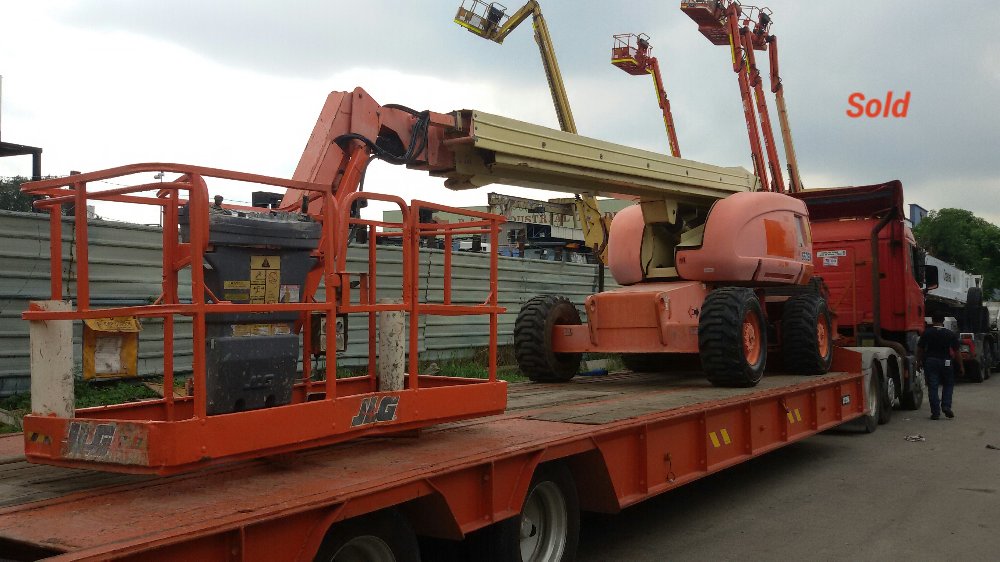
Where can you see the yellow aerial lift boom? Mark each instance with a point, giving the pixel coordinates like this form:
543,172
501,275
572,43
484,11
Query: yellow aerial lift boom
491,21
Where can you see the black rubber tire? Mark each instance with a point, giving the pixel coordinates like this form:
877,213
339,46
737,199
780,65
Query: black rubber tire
386,526
800,319
501,541
885,401
533,339
913,398
974,371
720,337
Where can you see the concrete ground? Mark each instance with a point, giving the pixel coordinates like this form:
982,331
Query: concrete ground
836,496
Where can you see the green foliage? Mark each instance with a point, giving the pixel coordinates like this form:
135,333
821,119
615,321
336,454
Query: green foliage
11,198
959,237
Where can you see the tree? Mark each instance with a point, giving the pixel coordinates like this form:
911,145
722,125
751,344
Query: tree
959,237
11,198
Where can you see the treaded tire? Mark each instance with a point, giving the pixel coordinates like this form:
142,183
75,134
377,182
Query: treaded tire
349,539
974,311
805,321
914,399
873,397
533,339
731,320
885,401
501,541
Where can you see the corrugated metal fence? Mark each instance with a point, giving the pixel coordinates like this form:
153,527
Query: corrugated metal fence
126,270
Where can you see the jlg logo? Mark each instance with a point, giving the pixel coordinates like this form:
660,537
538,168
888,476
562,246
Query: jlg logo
374,409
876,107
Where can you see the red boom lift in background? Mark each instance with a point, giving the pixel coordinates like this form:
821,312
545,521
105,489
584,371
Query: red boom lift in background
631,53
747,29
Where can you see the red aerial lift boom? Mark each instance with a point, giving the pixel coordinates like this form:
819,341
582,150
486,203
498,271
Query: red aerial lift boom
631,53
747,29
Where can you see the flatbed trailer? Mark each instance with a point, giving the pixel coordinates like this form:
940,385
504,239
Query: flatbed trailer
623,438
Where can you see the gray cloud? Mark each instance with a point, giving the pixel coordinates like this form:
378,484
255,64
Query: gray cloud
947,151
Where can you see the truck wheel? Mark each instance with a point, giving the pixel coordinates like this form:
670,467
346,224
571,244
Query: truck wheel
887,394
383,536
873,398
974,371
533,339
807,335
732,338
914,398
548,527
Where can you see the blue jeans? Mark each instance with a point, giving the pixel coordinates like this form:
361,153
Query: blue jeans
937,374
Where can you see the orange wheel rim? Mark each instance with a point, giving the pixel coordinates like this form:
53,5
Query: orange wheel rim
751,338
824,344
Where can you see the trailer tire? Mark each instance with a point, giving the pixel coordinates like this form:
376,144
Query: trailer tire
529,537
383,536
886,394
732,337
533,339
914,398
807,335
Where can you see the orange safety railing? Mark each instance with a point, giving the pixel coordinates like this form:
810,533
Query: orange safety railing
331,269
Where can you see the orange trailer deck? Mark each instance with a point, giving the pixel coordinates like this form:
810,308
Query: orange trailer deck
625,437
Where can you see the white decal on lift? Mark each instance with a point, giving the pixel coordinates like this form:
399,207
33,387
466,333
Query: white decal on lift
831,262
831,254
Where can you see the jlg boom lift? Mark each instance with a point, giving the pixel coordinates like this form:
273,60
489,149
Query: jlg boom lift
631,53
491,21
746,29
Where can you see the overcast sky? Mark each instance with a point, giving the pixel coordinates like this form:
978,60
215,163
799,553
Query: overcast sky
238,85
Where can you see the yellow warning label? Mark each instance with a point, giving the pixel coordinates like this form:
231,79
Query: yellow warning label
236,285
236,296
265,262
242,330
265,279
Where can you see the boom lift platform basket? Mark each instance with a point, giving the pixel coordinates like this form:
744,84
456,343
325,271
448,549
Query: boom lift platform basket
242,408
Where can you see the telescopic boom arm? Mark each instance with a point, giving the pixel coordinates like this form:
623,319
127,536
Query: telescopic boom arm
631,53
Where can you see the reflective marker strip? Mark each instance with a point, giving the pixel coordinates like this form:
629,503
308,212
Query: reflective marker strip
715,440
725,437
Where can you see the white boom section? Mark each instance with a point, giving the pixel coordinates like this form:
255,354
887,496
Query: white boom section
953,283
506,151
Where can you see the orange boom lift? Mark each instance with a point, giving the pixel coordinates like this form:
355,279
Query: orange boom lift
747,29
631,53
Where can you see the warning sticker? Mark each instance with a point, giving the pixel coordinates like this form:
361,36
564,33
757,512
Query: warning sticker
236,285
265,262
831,262
832,253
289,293
242,330
265,279
231,296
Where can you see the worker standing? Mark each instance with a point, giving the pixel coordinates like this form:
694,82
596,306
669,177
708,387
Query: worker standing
937,350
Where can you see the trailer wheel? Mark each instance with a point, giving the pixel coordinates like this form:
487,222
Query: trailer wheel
383,536
914,398
533,339
973,311
887,393
732,338
547,529
807,335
